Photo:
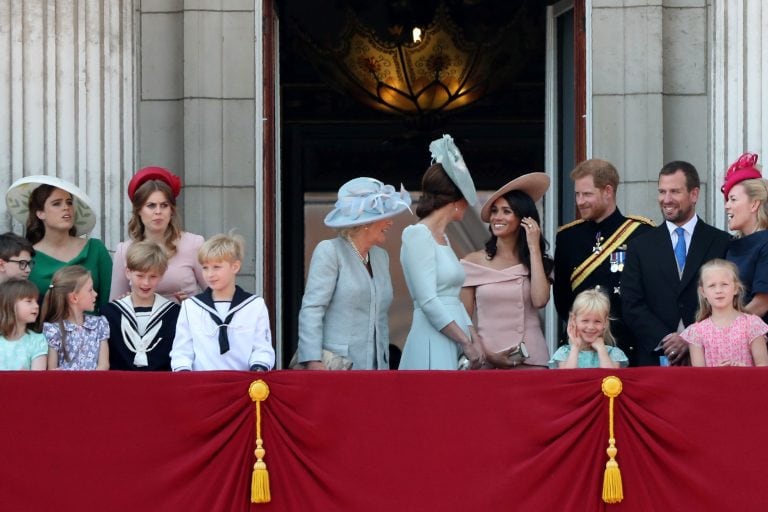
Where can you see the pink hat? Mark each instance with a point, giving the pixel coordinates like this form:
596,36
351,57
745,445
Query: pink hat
742,169
154,173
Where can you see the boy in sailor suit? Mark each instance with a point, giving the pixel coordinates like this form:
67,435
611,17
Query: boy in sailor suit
225,327
142,324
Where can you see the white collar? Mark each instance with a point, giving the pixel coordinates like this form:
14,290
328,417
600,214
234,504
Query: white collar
688,227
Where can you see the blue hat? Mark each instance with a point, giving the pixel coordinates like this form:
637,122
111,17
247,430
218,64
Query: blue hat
445,153
365,200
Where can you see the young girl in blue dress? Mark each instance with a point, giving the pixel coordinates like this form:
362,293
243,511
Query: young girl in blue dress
20,347
590,343
76,341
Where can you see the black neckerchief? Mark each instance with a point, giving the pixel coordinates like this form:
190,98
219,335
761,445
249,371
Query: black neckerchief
240,299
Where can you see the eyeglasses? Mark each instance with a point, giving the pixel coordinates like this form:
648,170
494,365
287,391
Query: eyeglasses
23,264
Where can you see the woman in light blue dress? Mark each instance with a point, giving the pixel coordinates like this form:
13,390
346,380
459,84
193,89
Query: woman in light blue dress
441,330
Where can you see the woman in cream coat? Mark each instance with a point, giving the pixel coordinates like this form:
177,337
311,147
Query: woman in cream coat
344,314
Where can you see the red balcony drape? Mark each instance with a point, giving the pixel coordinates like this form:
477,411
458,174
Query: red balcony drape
688,439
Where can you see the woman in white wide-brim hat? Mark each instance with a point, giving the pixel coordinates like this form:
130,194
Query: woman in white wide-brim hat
57,214
344,317
441,330
508,281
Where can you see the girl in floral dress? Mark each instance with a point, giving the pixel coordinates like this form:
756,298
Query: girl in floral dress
76,341
724,335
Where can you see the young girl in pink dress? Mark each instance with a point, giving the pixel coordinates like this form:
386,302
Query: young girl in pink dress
724,335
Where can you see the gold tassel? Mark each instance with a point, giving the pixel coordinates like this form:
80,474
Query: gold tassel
612,487
259,391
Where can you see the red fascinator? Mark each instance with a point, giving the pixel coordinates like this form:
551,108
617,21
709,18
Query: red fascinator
742,169
154,173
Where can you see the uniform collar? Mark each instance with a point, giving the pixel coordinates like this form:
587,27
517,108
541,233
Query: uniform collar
613,221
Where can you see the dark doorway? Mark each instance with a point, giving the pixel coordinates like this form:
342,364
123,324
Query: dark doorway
328,137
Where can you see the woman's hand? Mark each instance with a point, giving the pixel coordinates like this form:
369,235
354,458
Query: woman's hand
532,233
508,358
315,365
475,354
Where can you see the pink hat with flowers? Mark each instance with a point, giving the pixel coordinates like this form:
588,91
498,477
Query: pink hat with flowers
745,168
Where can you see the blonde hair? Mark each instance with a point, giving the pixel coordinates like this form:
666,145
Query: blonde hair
12,291
595,301
136,228
222,247
757,190
56,308
145,255
350,231
705,309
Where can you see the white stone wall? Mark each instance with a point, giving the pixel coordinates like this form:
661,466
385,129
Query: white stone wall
66,100
649,64
196,113
739,85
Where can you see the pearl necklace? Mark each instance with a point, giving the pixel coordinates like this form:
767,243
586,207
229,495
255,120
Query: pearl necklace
354,248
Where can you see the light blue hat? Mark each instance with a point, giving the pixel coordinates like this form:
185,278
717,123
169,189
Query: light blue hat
445,153
365,200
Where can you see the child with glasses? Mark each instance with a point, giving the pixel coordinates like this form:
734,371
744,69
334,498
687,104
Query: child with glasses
16,255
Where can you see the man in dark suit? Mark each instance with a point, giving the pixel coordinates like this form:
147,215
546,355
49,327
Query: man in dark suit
590,252
660,279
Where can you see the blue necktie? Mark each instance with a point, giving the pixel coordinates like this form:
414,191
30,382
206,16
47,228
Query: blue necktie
680,248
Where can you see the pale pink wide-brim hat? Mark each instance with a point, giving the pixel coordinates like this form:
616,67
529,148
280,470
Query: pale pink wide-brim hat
535,184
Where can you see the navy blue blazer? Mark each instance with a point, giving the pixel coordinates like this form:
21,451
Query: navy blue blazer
654,296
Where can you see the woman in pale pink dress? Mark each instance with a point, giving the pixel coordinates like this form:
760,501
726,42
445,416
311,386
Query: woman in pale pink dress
153,192
508,282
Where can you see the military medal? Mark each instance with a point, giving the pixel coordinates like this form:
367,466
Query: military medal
597,249
617,260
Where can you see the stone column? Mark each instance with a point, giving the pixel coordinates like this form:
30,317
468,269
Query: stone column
649,92
197,114
739,83
66,100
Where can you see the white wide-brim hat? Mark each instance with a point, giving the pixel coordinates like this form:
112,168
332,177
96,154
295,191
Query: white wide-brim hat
445,152
535,184
365,200
17,200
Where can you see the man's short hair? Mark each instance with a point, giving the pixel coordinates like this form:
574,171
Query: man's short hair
11,245
603,173
692,180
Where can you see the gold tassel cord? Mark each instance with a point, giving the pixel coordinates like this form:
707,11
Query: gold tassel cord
612,486
259,391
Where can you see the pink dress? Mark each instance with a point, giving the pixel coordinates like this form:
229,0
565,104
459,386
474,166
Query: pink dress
504,313
726,343
183,274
